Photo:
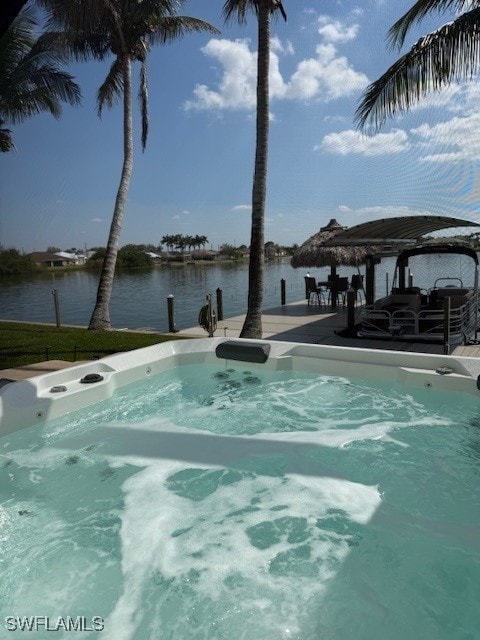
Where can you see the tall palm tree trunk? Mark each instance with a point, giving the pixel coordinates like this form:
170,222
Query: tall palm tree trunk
101,315
252,327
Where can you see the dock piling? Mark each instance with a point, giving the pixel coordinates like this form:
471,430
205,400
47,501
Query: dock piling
351,295
57,307
171,313
446,325
219,304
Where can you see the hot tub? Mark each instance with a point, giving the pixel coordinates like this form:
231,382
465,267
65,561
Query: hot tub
215,489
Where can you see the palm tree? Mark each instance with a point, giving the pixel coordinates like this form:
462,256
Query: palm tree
263,9
450,53
126,29
31,80
168,242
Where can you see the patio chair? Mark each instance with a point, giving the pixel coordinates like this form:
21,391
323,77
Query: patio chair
357,285
314,291
341,286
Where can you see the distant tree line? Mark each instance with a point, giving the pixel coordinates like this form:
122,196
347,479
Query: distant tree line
179,241
131,256
12,262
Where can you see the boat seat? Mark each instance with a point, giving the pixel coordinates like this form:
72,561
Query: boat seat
397,290
407,301
450,291
458,296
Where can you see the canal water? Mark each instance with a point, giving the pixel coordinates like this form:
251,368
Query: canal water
139,299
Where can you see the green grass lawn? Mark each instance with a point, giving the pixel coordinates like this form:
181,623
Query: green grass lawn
28,343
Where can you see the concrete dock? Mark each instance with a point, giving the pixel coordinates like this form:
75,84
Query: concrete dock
299,322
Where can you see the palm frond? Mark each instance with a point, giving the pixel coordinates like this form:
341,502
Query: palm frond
239,9
29,103
450,53
31,78
85,27
38,69
279,7
6,143
142,11
111,89
74,44
22,28
167,29
88,16
9,13
49,49
59,84
420,10
17,40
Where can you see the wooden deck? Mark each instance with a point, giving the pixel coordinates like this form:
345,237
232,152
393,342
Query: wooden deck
298,322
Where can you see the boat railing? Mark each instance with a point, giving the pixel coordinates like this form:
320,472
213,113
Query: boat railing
424,323
432,321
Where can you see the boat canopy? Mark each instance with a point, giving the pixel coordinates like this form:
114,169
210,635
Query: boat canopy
404,256
398,229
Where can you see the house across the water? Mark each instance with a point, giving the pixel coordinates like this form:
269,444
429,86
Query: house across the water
45,259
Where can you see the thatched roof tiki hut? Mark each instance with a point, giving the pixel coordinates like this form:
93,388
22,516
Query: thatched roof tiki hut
317,252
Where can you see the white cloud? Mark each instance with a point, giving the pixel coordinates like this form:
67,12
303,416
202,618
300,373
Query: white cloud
343,207
242,207
277,46
451,141
335,118
347,142
457,139
327,76
335,31
451,97
472,95
96,220
238,83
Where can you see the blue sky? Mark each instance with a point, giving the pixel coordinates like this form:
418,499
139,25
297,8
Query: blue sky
195,176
